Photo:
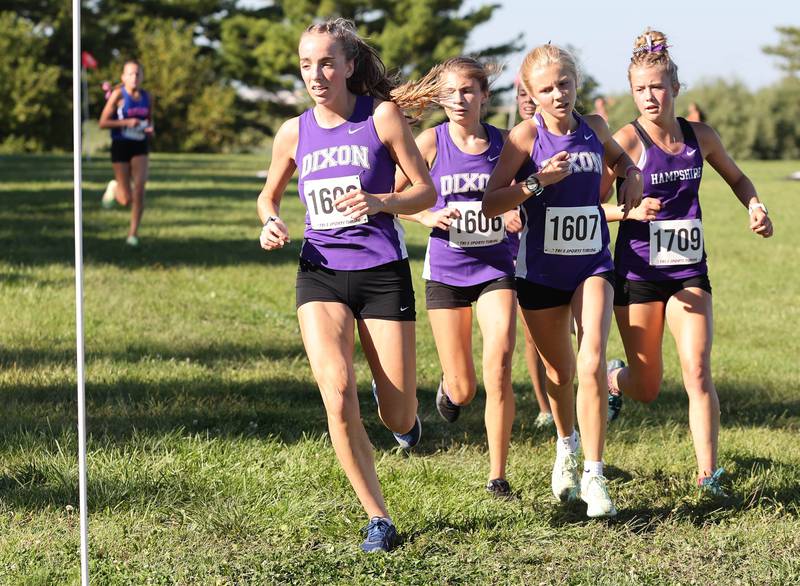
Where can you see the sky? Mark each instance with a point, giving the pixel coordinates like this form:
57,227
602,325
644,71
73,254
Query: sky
709,39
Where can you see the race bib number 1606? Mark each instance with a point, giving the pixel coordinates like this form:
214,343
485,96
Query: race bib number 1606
320,195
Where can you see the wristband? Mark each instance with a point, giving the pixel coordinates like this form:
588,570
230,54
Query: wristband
755,206
270,219
632,168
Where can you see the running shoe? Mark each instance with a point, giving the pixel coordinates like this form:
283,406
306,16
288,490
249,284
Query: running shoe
499,488
380,535
406,440
594,492
565,481
614,394
543,420
132,241
109,200
446,408
712,485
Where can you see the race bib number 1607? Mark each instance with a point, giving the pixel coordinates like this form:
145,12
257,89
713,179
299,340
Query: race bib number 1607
572,231
320,195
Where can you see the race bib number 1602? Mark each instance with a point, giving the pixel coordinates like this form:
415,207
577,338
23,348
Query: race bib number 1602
320,195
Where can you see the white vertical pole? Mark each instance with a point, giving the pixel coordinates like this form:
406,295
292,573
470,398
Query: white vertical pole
76,157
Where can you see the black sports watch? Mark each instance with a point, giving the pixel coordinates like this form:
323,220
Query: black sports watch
533,185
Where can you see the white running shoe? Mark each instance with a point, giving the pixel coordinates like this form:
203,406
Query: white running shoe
565,481
594,492
109,198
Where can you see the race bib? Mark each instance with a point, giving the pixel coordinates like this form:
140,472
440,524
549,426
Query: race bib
320,195
572,231
676,242
135,133
473,229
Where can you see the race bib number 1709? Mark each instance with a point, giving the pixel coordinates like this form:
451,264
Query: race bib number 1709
676,242
320,195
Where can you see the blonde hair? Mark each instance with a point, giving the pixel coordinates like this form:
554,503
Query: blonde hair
417,96
545,55
650,49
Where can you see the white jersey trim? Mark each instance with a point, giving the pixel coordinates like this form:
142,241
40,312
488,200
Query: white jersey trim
401,237
522,254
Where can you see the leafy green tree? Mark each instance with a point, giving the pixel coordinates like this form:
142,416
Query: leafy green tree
30,97
787,49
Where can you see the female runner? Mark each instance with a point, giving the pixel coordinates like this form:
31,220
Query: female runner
564,266
660,259
354,269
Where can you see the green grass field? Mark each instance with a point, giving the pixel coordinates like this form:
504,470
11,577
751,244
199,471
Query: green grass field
208,456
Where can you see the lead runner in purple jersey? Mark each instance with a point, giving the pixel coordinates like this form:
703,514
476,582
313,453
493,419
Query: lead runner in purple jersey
461,154
352,273
564,266
660,255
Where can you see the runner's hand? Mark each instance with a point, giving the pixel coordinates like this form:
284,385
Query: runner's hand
358,203
512,221
646,211
274,235
441,218
760,223
554,169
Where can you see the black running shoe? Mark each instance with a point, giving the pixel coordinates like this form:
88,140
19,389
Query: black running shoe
446,408
499,488
614,394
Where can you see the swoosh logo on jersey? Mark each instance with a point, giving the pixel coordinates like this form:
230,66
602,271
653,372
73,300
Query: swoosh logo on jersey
690,152
587,136
402,309
352,130
492,159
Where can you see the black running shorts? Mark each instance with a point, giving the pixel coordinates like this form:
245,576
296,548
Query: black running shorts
627,292
122,151
382,292
536,296
443,296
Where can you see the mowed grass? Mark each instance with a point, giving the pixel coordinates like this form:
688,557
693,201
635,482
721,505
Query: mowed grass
209,461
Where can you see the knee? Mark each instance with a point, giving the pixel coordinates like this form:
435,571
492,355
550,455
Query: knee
461,389
590,365
647,384
401,418
560,375
697,377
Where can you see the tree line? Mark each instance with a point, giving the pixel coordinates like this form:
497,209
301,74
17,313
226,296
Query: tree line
225,72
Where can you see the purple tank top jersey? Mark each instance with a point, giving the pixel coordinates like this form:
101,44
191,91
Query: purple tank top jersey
131,108
672,246
332,161
565,238
475,249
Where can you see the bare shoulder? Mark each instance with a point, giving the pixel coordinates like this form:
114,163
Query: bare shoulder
598,124
627,138
523,135
386,111
285,142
